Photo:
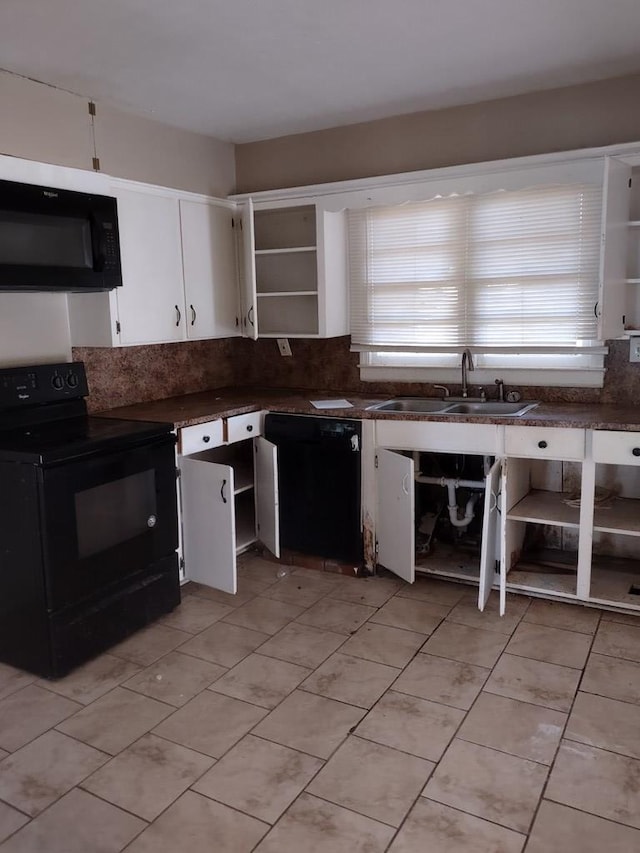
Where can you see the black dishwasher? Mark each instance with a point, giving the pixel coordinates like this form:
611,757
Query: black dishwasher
319,484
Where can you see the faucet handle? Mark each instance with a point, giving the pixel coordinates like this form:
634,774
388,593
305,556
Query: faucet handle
500,385
444,389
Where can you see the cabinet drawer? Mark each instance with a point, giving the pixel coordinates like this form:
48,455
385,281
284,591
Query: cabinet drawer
244,426
616,447
194,439
544,442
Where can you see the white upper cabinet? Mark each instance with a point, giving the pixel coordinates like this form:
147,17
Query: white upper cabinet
293,277
210,270
613,297
151,300
179,270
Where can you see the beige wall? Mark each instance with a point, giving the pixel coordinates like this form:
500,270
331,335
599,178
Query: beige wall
583,116
48,125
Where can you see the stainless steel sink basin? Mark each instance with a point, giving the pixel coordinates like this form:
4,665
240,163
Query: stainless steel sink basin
422,406
492,408
412,405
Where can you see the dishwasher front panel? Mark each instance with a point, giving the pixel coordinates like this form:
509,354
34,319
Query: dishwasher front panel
319,470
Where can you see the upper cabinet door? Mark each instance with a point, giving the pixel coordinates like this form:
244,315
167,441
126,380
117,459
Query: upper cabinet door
151,299
491,539
248,298
396,513
210,270
612,304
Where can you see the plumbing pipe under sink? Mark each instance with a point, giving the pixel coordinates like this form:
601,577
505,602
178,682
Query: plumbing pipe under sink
451,484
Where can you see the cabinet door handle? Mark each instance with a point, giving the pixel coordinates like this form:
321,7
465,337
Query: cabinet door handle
224,483
542,444
405,480
636,451
193,315
178,316
206,439
250,428
250,315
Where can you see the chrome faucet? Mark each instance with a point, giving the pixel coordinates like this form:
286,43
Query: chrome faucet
467,364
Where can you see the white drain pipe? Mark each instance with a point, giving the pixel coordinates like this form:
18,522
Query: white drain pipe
451,484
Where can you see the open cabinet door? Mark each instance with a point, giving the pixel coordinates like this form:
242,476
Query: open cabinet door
209,523
612,297
491,539
248,299
267,501
396,514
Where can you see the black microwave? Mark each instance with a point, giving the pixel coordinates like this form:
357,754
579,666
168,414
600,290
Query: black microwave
53,239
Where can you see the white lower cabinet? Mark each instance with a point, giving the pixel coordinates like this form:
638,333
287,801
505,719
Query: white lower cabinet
556,512
615,542
229,500
438,511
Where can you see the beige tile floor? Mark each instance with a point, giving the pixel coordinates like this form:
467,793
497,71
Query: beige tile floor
334,715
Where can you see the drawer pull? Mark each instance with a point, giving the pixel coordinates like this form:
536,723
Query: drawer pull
636,451
206,439
250,429
542,444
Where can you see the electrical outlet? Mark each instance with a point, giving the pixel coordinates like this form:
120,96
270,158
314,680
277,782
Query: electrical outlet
634,348
285,349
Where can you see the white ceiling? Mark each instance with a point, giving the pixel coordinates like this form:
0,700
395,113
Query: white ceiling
244,70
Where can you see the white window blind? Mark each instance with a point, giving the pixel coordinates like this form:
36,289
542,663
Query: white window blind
506,272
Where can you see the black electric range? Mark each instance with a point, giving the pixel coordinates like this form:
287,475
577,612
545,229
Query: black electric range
88,521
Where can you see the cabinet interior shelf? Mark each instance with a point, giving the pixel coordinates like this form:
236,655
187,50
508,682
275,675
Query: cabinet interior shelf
243,480
289,293
286,251
634,223
622,517
543,507
633,280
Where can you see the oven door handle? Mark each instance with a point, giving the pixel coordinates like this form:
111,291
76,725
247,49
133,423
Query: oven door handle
224,483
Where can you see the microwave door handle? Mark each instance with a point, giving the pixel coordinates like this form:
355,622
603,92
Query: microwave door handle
98,243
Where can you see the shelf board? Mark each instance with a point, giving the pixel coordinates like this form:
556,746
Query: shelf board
632,280
524,579
543,507
292,335
622,517
634,223
289,251
243,543
279,293
611,580
245,533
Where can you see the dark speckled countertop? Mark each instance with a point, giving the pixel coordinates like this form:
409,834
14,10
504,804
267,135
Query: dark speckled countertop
225,402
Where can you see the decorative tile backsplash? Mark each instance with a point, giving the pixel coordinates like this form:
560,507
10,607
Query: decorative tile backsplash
119,377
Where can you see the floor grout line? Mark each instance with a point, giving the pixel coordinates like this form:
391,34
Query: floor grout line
333,596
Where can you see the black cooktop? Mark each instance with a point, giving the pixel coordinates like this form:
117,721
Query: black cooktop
66,440
43,417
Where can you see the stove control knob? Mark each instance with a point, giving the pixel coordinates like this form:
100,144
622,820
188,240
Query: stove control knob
57,382
151,521
72,380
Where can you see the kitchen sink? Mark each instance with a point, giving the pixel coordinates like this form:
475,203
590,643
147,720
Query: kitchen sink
491,407
412,405
422,406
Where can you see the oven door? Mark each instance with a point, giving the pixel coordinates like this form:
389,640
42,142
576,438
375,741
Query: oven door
107,519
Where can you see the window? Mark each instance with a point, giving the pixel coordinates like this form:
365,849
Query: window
513,274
